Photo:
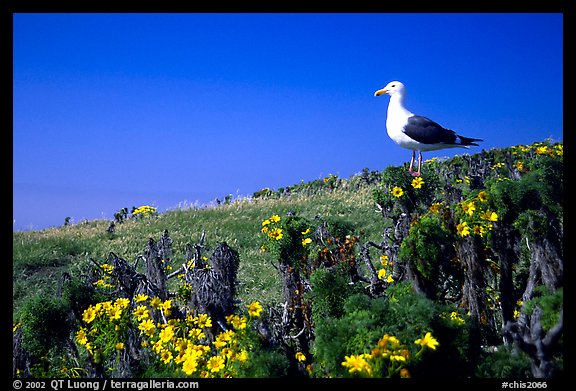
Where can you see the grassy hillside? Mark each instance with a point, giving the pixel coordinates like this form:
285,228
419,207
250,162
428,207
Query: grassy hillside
40,257
377,275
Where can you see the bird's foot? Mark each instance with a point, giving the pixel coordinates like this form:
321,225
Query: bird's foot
414,173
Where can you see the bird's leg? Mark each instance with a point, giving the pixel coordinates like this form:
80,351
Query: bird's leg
416,173
412,162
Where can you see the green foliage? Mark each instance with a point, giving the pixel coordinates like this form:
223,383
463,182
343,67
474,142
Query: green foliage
355,332
330,289
427,250
506,363
541,188
265,363
404,314
46,324
550,302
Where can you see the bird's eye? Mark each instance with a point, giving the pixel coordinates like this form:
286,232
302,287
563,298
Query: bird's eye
393,85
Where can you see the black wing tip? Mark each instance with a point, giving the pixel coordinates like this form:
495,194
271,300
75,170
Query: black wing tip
469,141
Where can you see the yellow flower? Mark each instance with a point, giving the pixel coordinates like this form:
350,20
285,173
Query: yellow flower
389,279
463,229
166,334
306,232
115,313
242,356
156,302
276,233
81,336
166,306
397,192
238,322
196,333
435,207
489,215
404,373
381,274
265,223
384,260
254,309
141,313
300,357
479,230
275,218
429,341
559,149
203,320
107,268
306,241
190,365
417,183
122,302
89,314
147,327
482,196
469,208
166,356
140,298
215,364
119,346
356,363
456,318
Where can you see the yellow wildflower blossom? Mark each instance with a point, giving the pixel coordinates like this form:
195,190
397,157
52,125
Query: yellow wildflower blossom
381,274
275,218
156,302
147,327
141,313
255,309
306,241
276,233
489,215
357,363
140,298
81,336
166,356
215,364
428,341
483,196
397,192
89,314
203,321
469,208
384,260
462,229
166,334
301,357
417,183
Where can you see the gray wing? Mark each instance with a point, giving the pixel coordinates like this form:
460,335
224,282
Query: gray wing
426,131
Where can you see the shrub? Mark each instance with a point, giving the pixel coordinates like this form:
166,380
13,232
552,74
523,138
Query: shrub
46,324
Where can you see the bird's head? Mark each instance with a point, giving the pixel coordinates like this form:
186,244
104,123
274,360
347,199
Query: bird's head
392,88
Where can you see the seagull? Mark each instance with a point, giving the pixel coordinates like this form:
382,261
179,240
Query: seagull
416,132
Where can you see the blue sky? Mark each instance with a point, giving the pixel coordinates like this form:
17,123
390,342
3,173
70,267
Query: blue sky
122,110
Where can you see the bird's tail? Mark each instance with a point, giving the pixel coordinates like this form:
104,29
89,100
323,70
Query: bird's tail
467,141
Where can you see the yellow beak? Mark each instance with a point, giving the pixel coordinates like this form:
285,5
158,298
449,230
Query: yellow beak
380,92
